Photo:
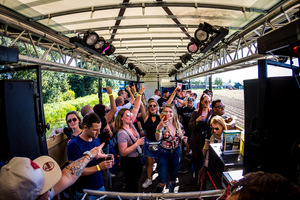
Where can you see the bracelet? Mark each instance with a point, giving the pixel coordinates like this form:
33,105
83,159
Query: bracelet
98,167
139,95
158,132
110,94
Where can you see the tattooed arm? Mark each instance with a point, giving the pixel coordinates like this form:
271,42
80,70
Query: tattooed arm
74,170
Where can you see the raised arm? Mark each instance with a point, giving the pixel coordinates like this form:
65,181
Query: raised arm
113,107
136,106
170,99
144,112
131,95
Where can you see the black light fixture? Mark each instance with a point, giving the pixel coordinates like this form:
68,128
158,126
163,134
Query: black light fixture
131,66
178,66
203,31
121,59
90,38
108,49
99,44
185,58
174,71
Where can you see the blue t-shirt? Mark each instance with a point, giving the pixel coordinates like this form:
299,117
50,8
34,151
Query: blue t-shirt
75,150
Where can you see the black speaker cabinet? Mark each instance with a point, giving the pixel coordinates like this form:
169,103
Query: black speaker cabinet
20,121
276,146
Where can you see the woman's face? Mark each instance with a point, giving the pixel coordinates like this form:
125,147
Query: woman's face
127,117
152,107
73,121
169,112
217,130
205,102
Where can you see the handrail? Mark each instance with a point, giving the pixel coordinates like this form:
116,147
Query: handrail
128,195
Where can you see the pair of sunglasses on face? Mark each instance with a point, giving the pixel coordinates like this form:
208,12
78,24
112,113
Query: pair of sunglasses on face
214,128
129,114
73,119
154,105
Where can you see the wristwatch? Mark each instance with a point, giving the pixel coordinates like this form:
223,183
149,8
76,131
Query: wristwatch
88,153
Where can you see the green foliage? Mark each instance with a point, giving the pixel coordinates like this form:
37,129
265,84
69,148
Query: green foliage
55,112
218,81
68,95
83,85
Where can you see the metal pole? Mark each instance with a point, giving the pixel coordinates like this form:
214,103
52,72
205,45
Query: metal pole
100,90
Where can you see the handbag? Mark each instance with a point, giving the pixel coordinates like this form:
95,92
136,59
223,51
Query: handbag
153,146
143,159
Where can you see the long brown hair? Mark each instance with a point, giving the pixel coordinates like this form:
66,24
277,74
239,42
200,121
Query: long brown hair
119,122
200,108
77,116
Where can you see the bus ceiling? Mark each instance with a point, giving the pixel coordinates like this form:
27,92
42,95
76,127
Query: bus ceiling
142,41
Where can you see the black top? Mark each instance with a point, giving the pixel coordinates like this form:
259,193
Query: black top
150,128
161,102
103,136
186,113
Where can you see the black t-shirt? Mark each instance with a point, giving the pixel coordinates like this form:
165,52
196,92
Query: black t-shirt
186,113
162,102
150,128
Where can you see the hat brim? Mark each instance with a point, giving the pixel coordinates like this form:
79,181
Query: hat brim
51,171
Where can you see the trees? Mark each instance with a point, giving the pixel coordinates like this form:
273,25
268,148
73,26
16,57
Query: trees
218,81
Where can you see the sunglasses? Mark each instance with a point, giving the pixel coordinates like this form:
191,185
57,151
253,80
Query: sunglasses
214,128
129,114
74,120
154,105
206,101
221,107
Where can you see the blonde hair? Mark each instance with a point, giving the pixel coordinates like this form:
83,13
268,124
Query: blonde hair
157,106
176,122
118,121
219,120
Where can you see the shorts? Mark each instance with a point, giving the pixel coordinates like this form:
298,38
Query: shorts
148,152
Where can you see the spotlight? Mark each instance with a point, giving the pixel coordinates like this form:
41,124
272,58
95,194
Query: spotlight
131,66
99,44
202,33
178,66
108,49
185,58
174,71
90,38
121,59
192,47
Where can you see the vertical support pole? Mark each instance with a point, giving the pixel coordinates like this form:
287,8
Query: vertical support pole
261,95
41,127
210,82
189,84
100,90
158,86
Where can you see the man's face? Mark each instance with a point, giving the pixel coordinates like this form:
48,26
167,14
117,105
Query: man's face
166,94
219,109
190,104
124,95
93,131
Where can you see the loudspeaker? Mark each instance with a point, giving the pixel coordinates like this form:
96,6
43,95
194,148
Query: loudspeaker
276,146
20,122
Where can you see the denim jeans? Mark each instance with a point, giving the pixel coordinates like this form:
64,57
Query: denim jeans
168,163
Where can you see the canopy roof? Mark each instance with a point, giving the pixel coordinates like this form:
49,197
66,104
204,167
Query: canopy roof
152,34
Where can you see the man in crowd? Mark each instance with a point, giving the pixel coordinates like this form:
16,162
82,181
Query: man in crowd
162,101
91,176
156,95
23,178
120,101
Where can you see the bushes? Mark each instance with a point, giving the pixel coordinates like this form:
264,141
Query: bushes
55,112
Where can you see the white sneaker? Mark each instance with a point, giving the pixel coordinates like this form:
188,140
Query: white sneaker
147,183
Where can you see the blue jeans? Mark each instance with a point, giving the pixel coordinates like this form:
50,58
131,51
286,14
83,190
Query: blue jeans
79,195
168,163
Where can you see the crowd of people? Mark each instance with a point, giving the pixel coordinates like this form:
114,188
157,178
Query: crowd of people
165,128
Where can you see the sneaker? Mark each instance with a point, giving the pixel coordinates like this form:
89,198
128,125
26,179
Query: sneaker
147,183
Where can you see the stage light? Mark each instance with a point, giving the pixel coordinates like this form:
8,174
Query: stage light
178,66
185,58
108,49
121,59
99,44
203,31
90,38
192,47
131,66
174,71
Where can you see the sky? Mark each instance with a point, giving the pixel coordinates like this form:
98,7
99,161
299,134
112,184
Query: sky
252,73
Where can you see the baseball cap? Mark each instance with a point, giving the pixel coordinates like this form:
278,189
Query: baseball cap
23,178
165,91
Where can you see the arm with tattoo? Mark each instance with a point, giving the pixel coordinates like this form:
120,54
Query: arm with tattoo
74,170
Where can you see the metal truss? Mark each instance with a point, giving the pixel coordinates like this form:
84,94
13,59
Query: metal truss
55,53
240,51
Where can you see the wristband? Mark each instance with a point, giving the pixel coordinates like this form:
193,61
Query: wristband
110,94
158,132
98,168
139,95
